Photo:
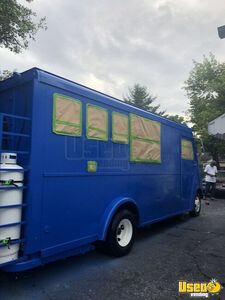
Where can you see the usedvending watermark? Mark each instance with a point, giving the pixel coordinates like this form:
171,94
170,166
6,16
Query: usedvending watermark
200,289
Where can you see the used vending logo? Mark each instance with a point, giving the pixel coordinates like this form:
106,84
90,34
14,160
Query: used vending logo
200,289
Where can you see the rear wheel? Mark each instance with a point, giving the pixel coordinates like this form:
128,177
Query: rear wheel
197,207
121,233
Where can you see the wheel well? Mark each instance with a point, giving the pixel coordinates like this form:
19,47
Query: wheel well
131,207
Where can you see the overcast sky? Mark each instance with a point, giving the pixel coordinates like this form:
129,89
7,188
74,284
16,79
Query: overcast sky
110,45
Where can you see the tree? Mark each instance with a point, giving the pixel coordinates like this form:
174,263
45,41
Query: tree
177,118
205,87
140,97
17,25
5,74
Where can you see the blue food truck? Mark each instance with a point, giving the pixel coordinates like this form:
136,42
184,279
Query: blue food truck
80,168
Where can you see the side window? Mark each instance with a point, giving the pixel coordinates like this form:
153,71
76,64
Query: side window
120,128
96,123
145,140
187,149
67,115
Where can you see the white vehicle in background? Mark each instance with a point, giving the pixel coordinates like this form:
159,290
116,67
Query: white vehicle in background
217,127
220,183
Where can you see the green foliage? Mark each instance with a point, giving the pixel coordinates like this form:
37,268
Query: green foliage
17,25
177,118
205,87
5,74
140,97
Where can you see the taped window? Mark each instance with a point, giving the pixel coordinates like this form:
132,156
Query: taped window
120,128
145,140
67,115
145,128
187,150
97,123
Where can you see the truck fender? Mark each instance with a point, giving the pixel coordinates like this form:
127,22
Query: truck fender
110,211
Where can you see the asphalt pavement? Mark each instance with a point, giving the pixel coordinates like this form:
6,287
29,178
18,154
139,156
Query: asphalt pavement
182,248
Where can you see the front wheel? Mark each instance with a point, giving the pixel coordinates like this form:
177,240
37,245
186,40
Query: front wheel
197,207
121,233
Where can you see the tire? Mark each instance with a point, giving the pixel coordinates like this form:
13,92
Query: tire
197,207
121,233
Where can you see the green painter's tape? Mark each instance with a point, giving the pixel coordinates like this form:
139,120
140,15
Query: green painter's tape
55,121
92,166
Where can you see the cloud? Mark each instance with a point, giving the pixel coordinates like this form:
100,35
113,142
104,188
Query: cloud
110,45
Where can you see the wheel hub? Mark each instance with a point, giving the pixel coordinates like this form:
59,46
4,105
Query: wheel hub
197,204
124,232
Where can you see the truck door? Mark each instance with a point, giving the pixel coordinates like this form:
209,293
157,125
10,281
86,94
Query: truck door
189,172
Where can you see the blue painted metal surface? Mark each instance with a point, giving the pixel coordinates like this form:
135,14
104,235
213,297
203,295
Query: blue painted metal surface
66,208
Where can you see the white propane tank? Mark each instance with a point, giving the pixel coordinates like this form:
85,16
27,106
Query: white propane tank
9,196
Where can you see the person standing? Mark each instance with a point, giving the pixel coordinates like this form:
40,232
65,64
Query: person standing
210,179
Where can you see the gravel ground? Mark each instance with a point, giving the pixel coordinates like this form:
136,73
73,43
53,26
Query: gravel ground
182,248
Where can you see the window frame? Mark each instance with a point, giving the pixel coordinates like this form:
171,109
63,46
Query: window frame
192,147
55,121
94,128
146,140
127,135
